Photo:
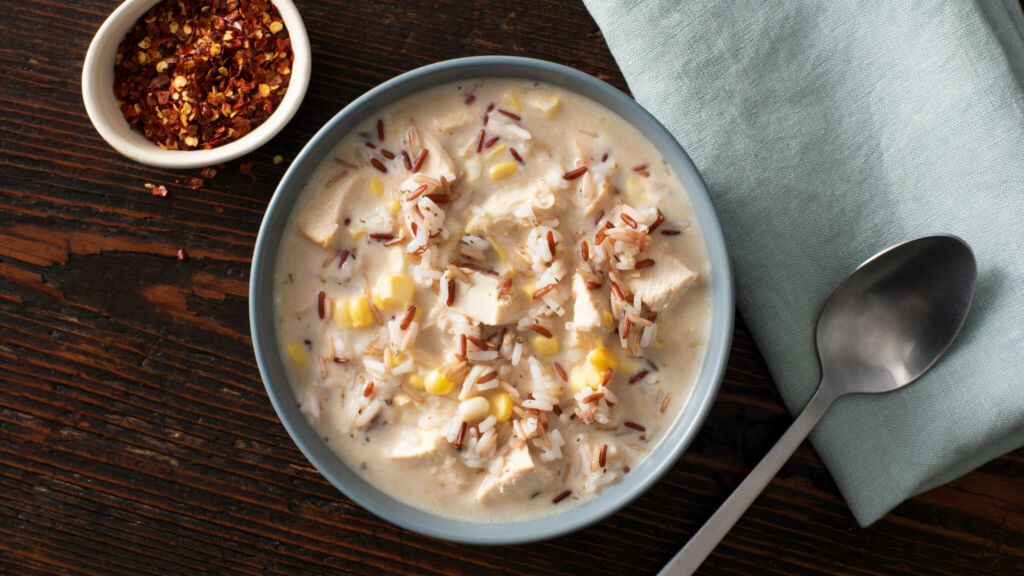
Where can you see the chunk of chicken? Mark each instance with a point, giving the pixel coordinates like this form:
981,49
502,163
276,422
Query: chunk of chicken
585,315
511,207
416,446
481,300
320,225
657,285
519,474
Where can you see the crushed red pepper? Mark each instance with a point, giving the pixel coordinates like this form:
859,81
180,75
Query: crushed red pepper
196,74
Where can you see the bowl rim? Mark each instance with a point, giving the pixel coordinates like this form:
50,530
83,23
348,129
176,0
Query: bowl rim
102,110
677,437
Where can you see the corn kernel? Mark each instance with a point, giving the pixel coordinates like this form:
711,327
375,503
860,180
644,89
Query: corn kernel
503,170
376,186
607,320
416,381
585,376
636,190
396,359
474,409
394,206
509,101
438,384
496,151
359,310
529,288
545,346
601,358
393,292
356,233
546,103
501,406
341,313
297,352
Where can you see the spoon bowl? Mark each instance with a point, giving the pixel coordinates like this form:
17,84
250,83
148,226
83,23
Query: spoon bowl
883,327
893,318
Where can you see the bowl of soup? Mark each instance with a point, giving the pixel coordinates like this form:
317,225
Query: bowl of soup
491,301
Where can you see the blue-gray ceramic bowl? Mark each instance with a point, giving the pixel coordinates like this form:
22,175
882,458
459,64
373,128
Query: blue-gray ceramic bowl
264,339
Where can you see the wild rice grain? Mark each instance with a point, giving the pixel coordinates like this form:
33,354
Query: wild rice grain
602,456
628,220
671,232
634,426
664,402
470,99
575,173
461,436
480,140
591,398
511,115
561,497
487,377
387,153
639,376
406,160
606,377
645,263
541,292
380,130
516,155
617,291
451,292
599,217
407,319
657,222
321,299
462,346
491,142
416,194
341,360
541,330
445,186
378,165
551,243
420,158
561,372
368,390
585,250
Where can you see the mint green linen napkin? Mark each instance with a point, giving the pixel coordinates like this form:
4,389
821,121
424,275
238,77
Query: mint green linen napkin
827,131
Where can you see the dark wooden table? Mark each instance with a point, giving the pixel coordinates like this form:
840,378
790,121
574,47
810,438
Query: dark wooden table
135,433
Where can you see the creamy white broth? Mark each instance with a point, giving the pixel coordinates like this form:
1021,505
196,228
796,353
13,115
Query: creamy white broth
352,227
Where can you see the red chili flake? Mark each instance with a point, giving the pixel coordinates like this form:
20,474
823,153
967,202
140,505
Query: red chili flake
191,75
208,172
182,253
406,160
194,183
575,173
417,163
378,165
509,114
561,497
160,190
470,99
246,168
380,130
516,156
492,141
387,153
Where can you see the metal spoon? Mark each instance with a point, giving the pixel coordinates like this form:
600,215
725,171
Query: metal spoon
883,327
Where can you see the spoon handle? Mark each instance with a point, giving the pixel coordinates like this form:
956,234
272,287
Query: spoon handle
704,541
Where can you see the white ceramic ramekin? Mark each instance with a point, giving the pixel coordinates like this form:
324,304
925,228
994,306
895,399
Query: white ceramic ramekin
101,104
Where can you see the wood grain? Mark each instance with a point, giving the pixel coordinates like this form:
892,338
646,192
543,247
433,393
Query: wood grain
135,433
